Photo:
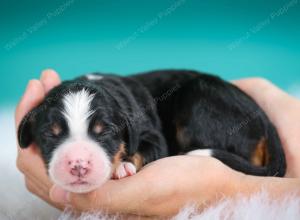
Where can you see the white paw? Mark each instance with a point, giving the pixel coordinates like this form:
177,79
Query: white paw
124,169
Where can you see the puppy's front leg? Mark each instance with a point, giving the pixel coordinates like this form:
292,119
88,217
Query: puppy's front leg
124,169
152,146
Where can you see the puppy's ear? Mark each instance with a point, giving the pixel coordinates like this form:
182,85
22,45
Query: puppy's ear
25,135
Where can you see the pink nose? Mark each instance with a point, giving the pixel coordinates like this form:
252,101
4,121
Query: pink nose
79,168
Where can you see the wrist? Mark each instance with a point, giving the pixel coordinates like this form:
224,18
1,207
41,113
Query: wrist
276,187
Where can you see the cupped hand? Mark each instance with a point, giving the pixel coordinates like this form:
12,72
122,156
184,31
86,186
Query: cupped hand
29,161
284,111
161,188
164,186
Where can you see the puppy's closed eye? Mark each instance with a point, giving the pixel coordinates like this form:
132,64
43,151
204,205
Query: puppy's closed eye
97,128
56,129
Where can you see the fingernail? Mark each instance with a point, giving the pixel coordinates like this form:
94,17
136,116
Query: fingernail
59,195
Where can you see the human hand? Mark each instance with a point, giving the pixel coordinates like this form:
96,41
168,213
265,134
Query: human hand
153,184
29,161
161,188
284,111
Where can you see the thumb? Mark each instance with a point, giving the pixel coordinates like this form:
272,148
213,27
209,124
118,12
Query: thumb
79,201
59,195
120,196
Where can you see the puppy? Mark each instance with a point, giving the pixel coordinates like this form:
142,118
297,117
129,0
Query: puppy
102,126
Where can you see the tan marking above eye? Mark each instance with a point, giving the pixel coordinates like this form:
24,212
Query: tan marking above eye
56,129
97,129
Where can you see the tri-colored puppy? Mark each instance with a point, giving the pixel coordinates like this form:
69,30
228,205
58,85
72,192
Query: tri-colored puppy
103,126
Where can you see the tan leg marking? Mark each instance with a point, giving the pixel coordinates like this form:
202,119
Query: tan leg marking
138,160
118,158
260,156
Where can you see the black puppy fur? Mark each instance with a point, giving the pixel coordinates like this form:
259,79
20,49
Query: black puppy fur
164,113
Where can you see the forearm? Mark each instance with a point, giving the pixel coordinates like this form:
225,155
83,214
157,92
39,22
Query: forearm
232,185
276,187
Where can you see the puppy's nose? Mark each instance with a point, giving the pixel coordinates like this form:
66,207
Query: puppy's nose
79,168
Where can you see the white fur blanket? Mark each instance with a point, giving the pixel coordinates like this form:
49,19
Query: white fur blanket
258,207
17,203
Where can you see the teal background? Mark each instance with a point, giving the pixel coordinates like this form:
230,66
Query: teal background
233,39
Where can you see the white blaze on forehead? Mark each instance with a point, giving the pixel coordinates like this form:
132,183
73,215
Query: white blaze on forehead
77,109
93,77
201,152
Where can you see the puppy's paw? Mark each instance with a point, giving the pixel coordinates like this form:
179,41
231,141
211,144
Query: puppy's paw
124,169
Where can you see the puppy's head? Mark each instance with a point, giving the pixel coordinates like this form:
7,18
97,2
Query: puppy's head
79,129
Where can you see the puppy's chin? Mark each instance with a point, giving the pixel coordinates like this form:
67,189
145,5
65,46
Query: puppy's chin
80,186
80,166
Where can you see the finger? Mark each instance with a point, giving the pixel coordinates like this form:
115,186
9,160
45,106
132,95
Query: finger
59,195
257,87
267,95
115,196
112,197
41,180
34,188
244,81
33,95
49,79
31,164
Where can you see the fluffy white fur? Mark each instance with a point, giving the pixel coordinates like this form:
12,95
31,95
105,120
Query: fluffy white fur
100,169
258,207
17,203
93,77
204,152
77,111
